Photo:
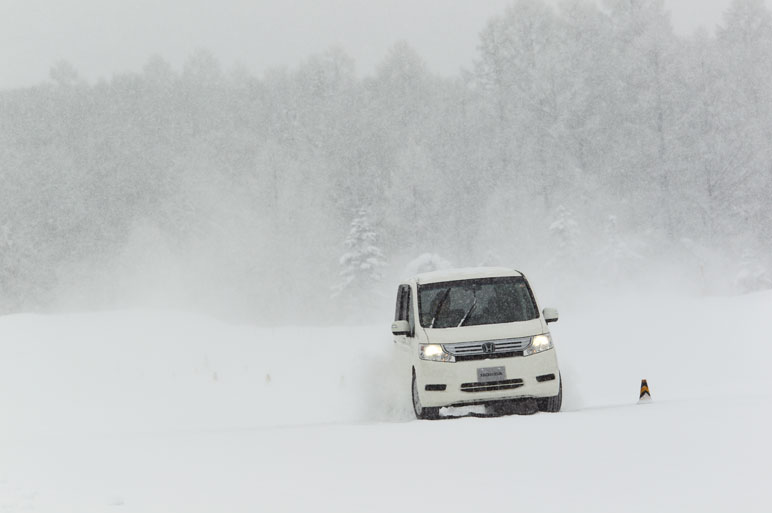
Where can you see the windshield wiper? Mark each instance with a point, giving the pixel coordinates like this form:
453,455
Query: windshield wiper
474,303
439,306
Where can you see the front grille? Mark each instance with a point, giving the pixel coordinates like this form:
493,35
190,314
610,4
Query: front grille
501,348
489,386
488,356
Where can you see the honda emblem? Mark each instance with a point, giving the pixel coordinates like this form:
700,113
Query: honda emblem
489,347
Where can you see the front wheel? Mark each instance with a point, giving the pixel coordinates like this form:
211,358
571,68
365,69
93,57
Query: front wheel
422,412
552,404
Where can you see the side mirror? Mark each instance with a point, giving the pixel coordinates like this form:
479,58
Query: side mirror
400,328
550,315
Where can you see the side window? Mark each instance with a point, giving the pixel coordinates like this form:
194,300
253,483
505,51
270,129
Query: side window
404,310
403,297
399,309
405,303
409,309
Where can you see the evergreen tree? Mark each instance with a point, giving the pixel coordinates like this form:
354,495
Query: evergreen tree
564,231
361,266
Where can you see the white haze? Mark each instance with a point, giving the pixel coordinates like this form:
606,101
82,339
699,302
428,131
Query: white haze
101,37
599,151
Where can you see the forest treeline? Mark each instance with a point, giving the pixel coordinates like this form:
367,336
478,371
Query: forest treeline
587,140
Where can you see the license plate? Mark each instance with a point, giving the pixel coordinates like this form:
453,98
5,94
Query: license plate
486,374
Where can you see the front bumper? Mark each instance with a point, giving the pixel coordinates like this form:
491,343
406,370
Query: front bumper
461,386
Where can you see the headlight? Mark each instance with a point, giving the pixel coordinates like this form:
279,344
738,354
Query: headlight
434,353
539,343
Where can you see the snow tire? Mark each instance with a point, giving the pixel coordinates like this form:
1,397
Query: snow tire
553,404
422,412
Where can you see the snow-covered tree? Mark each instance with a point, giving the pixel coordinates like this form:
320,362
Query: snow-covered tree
564,263
564,232
425,263
617,258
519,71
753,276
596,105
491,259
64,74
361,269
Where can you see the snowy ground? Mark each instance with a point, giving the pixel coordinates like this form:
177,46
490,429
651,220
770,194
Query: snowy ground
168,412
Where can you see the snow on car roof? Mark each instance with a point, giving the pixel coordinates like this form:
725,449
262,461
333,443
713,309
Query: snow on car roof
465,274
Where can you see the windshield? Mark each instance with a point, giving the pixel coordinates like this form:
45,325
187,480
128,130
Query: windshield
453,304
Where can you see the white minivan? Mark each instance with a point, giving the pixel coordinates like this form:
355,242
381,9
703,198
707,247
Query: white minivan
475,336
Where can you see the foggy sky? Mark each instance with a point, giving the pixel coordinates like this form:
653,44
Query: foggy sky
101,37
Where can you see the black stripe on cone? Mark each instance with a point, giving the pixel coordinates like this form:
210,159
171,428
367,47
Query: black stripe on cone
645,395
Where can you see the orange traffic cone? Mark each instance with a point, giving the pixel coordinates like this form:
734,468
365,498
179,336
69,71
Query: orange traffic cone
645,396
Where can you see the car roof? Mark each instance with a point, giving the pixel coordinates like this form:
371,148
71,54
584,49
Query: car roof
465,273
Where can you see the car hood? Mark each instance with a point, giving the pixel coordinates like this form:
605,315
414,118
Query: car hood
485,332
